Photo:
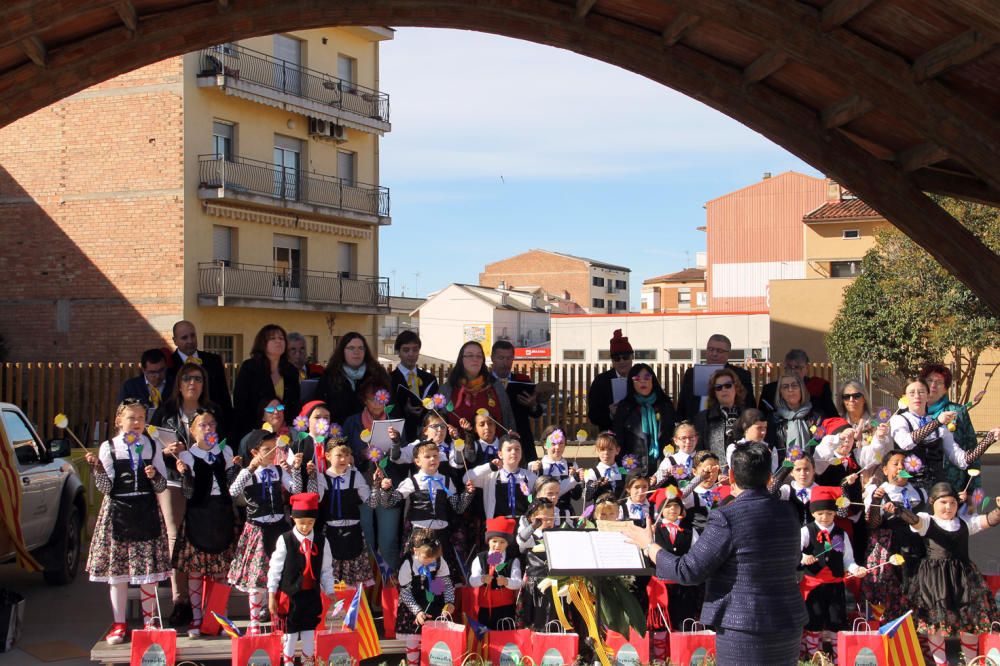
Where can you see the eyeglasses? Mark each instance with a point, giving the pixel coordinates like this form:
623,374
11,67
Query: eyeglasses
789,387
853,396
276,408
621,357
689,438
192,379
437,426
716,350
643,378
722,387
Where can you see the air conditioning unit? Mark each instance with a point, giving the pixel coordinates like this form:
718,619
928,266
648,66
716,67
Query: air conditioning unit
338,133
326,130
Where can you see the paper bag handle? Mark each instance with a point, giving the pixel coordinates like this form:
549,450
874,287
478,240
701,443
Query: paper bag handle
505,622
559,628
694,624
994,624
445,616
861,622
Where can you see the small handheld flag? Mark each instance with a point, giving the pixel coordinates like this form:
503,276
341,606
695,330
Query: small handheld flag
226,624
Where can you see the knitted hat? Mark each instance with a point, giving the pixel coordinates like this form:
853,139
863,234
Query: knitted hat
834,425
942,489
501,527
620,344
824,498
305,505
307,409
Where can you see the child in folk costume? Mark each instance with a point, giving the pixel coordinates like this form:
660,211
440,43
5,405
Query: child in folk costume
506,485
434,429
798,490
130,538
827,556
497,573
606,476
706,494
486,444
635,506
676,466
550,487
837,458
534,606
263,485
948,592
426,590
206,544
555,465
675,535
753,424
300,566
312,428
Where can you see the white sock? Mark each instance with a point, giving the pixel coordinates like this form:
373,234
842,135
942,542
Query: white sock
412,642
147,596
970,646
196,584
308,643
257,596
288,646
119,600
936,644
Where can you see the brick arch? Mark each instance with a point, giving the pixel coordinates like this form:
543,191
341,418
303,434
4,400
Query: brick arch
892,132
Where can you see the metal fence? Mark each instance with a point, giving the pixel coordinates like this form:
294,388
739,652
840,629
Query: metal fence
238,63
242,174
267,283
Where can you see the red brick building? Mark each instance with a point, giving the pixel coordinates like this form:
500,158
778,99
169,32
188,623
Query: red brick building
683,291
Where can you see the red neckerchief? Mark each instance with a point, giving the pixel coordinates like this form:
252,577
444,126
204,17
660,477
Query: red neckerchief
672,530
308,548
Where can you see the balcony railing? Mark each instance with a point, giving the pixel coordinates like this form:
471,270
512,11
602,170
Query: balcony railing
242,64
242,174
219,279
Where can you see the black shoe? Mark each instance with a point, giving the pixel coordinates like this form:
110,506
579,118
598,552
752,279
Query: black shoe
265,615
182,615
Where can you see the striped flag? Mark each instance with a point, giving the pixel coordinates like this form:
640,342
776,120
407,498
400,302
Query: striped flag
10,505
359,618
901,641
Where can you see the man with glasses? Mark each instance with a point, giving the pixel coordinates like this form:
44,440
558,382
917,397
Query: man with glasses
299,357
820,393
689,403
149,388
601,401
521,392
186,341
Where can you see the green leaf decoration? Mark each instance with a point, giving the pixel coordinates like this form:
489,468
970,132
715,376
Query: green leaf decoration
303,435
788,463
388,409
222,444
429,595
450,406
530,499
623,472
383,463
500,566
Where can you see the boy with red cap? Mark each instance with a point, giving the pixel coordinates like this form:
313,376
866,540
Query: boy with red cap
498,574
826,556
300,565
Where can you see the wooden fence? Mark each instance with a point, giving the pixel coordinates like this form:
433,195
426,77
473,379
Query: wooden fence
86,392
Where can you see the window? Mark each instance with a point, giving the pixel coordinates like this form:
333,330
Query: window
347,71
25,448
845,269
223,345
287,263
597,281
346,162
702,298
222,244
223,134
621,305
850,234
620,284
287,158
684,296
312,347
679,354
288,68
573,355
645,354
598,303
347,257
603,354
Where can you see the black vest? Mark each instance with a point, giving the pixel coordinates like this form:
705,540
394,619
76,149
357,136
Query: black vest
832,558
801,508
419,506
203,474
127,480
502,506
931,452
264,500
345,507
617,486
682,542
295,564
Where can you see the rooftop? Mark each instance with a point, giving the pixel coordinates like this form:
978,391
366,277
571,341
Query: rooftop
845,209
685,275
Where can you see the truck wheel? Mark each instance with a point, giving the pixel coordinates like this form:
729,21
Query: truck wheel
67,546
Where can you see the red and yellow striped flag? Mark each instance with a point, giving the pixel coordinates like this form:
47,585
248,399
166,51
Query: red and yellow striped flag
364,624
10,505
901,642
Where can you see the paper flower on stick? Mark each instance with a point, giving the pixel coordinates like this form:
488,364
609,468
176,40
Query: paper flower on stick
883,415
439,401
904,402
952,427
913,464
212,438
973,472
896,560
130,438
494,558
629,462
672,492
336,432
374,454
322,427
581,435
300,424
61,421
843,502
669,450
459,444
437,586
284,441
153,432
680,472
812,429
978,497
267,426
382,397
557,437
795,453
482,411
838,543
366,435
427,403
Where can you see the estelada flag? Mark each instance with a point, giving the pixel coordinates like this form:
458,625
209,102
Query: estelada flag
901,641
359,618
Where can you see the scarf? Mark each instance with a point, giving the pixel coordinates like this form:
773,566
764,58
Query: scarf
367,420
649,424
797,428
938,407
354,375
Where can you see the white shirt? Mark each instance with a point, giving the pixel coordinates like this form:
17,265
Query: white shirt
277,562
789,489
614,474
898,494
406,488
364,490
122,453
666,467
244,479
902,426
567,481
849,563
187,457
483,476
975,524
512,573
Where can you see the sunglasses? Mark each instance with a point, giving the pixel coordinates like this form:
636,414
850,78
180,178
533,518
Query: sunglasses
276,408
197,379
643,378
789,387
722,387
621,357
853,396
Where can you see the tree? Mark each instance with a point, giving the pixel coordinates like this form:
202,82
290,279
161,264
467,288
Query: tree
905,309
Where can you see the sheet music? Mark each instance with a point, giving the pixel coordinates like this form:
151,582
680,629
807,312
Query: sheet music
612,551
165,436
569,549
380,433
573,550
619,386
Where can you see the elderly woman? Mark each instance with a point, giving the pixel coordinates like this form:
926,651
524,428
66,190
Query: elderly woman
793,415
715,424
938,378
644,420
265,376
470,387
874,442
350,365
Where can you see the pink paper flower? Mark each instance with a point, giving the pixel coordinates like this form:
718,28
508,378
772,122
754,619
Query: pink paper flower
130,438
336,432
439,401
373,454
322,427
913,464
382,397
629,462
300,424
680,472
494,558
557,437
795,453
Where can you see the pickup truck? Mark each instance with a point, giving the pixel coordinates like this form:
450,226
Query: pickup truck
53,508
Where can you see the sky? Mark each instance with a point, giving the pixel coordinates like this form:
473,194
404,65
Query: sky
499,146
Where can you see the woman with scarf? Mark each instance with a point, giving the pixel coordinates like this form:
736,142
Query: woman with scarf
793,418
470,387
938,378
350,364
644,421
716,423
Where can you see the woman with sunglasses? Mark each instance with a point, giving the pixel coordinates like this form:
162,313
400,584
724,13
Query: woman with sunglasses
874,440
271,417
190,393
644,421
265,376
716,423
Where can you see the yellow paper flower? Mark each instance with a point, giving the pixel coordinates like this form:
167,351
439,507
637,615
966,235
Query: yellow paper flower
896,560
669,450
428,403
904,402
482,411
581,435
972,472
152,431
672,492
284,440
951,427
812,429
366,435
843,502
267,426
61,421
459,444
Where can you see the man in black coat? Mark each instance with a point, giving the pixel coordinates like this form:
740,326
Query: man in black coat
820,393
716,353
150,388
407,380
600,396
521,391
186,341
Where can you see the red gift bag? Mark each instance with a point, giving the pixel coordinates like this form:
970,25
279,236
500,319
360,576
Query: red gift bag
554,649
390,602
337,648
346,595
690,648
154,647
259,649
215,598
508,645
467,601
442,643
628,652
989,643
862,646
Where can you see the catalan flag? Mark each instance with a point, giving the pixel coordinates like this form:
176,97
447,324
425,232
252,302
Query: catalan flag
902,645
359,618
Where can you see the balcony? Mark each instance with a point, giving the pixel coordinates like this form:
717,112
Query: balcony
256,76
266,185
246,285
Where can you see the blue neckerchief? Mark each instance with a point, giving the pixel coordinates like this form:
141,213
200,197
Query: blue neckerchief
557,468
804,495
433,480
335,496
489,450
266,475
511,493
426,571
637,511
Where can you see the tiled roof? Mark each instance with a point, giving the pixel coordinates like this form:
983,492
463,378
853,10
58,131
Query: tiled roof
686,275
845,209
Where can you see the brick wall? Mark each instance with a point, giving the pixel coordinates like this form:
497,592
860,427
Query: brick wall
91,213
551,272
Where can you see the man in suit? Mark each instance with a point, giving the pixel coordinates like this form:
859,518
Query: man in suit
186,341
150,387
601,403
820,393
747,557
521,392
716,353
408,380
298,356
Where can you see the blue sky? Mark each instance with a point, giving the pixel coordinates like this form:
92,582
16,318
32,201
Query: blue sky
499,146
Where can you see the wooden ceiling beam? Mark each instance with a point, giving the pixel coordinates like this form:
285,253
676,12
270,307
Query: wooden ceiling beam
34,49
674,32
841,113
126,12
980,14
966,47
920,156
839,12
954,185
583,8
57,12
765,66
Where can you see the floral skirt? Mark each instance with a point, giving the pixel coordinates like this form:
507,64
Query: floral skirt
189,558
950,596
884,586
355,571
249,568
135,562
